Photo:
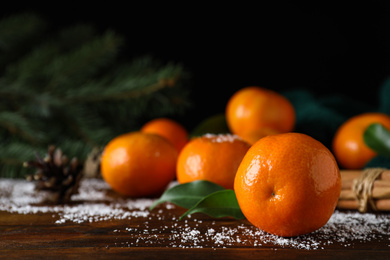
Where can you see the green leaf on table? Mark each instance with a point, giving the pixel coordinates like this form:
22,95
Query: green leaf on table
219,204
188,194
377,137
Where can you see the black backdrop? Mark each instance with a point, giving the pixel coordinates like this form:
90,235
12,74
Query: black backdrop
323,47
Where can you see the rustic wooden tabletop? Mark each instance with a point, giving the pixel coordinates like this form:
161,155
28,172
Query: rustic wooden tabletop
97,224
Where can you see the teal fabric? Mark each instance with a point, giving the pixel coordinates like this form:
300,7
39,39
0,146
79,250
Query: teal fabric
384,97
321,116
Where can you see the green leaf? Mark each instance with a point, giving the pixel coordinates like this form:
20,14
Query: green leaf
377,137
218,204
215,124
188,194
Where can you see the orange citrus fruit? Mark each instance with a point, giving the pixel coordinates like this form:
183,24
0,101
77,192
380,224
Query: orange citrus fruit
288,184
212,157
138,164
254,136
348,144
170,129
254,108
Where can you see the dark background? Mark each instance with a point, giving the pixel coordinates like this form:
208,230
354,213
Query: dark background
322,47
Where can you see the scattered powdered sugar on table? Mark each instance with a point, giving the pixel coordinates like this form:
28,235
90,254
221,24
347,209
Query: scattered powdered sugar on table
93,205
18,196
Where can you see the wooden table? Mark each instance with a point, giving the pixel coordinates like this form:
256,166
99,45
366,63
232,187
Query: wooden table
98,224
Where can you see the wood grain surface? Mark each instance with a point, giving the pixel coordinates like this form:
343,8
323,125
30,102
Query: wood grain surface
134,232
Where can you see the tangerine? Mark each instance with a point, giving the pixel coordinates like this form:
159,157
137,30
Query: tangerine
288,184
138,164
254,108
212,157
170,129
348,144
254,136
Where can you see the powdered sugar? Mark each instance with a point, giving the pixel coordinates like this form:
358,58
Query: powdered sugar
162,227
345,229
19,197
221,138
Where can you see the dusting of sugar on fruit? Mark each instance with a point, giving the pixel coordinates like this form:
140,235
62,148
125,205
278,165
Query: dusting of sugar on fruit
222,138
196,231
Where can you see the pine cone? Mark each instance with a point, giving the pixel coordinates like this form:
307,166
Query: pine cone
56,174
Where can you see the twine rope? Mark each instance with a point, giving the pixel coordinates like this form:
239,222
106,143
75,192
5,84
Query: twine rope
362,186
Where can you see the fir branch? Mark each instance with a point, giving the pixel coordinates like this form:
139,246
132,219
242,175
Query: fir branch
75,67
31,65
15,152
88,127
76,35
12,155
16,29
18,33
126,94
70,90
140,78
15,124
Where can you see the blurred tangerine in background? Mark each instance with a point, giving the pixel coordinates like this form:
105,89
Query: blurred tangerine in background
170,129
254,136
288,184
254,112
348,144
212,157
139,164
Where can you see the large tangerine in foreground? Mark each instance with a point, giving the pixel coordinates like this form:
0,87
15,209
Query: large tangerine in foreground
138,164
212,157
288,184
348,144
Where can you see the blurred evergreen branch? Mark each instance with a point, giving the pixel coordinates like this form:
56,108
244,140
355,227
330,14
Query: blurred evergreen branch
70,89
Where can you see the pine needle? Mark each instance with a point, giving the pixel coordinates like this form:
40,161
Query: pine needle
70,89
